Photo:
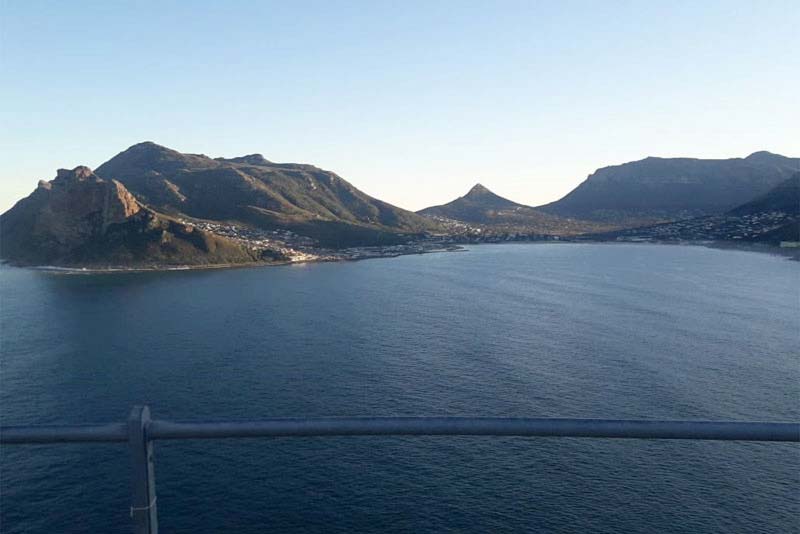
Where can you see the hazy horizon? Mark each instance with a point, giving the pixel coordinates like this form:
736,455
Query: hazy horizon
413,104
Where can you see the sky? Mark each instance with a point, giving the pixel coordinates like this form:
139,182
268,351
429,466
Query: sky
412,102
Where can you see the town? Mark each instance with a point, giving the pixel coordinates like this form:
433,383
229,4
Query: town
294,248
281,243
750,227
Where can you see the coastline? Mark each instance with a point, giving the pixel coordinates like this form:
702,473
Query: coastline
792,254
78,270
789,253
760,248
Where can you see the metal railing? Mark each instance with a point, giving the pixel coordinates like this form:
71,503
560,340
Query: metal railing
140,431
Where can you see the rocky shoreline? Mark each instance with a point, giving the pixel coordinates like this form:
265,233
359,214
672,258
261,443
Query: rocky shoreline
356,254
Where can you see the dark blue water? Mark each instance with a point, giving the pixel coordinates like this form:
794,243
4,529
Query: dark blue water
629,331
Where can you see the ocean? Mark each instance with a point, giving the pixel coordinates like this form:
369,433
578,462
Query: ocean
545,330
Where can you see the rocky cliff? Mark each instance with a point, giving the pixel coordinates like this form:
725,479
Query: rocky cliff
81,219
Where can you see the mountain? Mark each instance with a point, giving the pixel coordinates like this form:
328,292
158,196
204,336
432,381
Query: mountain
769,219
81,219
789,231
153,206
781,199
482,207
657,189
479,205
255,191
784,197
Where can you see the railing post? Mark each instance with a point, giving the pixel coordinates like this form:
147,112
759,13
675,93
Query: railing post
143,507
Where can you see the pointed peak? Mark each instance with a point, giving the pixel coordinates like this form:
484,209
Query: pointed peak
149,147
479,189
148,157
763,156
479,194
146,151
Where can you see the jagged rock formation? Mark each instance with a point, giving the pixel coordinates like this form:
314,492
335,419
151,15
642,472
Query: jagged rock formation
81,219
659,189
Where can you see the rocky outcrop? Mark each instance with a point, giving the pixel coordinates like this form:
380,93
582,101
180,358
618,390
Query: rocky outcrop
250,159
81,219
64,213
87,201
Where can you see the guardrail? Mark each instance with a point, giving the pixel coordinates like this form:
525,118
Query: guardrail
140,431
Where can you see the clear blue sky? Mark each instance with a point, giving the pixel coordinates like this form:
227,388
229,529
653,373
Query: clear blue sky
413,102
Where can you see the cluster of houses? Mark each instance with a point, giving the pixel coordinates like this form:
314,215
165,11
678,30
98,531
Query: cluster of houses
713,228
299,248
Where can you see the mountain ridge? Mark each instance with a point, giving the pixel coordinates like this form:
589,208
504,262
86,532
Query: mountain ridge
481,206
255,191
783,197
152,205
656,189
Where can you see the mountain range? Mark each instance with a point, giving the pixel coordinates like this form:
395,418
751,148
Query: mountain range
152,206
661,189
771,218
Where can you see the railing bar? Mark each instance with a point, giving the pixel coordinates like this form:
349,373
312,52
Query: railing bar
471,426
110,432
144,509
415,426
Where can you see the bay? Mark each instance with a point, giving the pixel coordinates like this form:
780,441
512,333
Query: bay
550,330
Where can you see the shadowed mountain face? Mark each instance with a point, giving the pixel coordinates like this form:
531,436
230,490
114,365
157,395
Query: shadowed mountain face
784,197
482,207
81,219
656,189
770,218
253,190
